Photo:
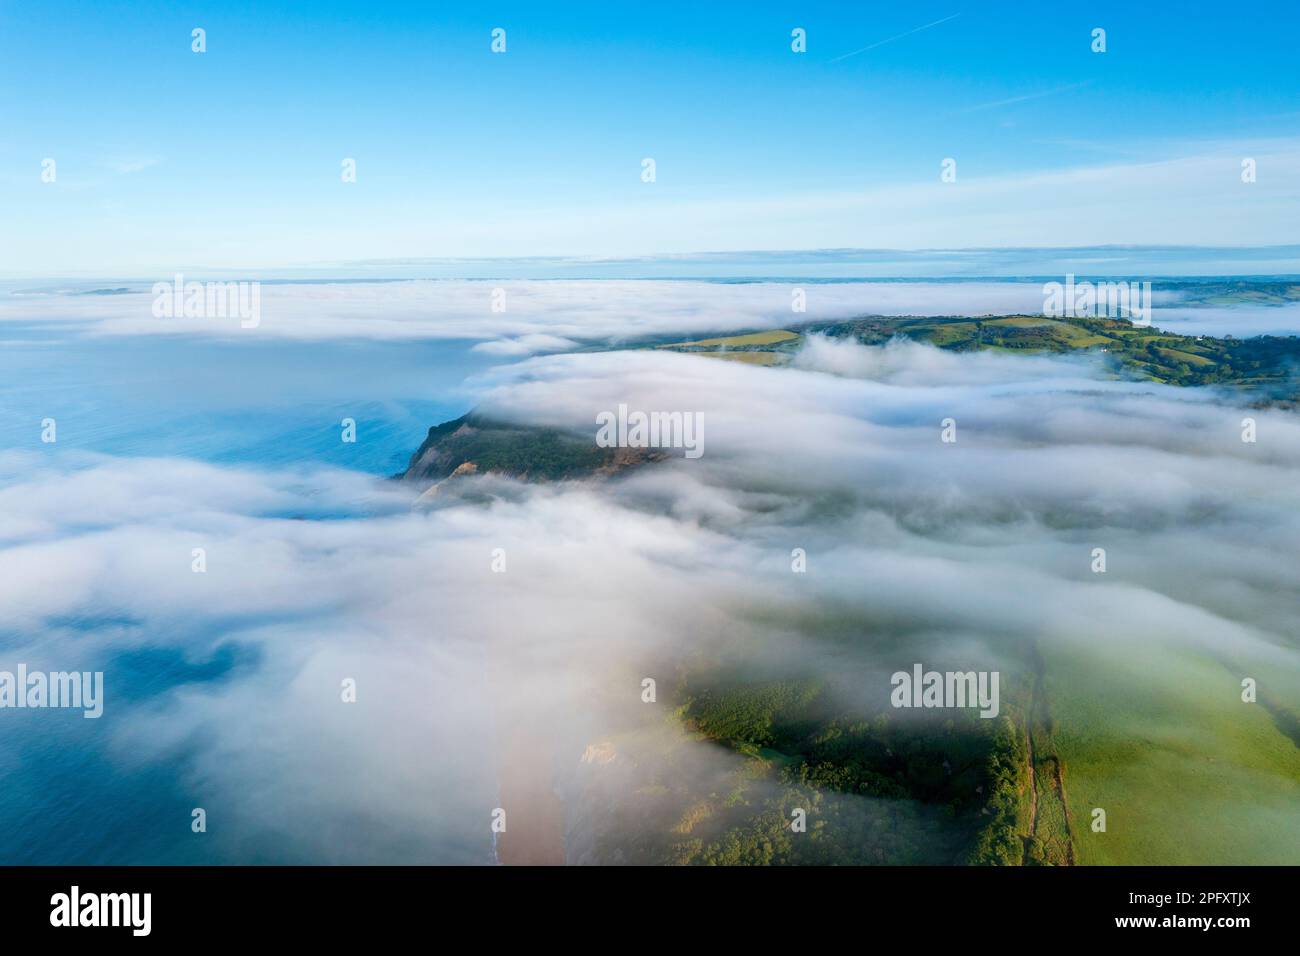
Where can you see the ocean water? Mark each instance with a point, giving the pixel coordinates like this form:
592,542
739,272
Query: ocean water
66,795
230,400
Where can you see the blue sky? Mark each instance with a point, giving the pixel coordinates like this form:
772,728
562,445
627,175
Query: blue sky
231,159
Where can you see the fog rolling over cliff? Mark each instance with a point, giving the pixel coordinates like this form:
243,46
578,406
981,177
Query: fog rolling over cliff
973,555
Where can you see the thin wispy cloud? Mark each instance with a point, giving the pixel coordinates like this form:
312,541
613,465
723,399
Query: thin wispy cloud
1011,100
845,56
127,167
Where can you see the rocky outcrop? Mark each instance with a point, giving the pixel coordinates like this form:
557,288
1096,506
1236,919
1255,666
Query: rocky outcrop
476,445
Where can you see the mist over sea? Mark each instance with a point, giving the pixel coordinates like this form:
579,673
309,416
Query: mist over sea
222,688
67,796
231,399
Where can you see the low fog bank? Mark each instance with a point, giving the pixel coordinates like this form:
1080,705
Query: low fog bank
524,317
549,605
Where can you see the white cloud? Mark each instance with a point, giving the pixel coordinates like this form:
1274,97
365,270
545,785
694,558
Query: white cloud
982,544
553,315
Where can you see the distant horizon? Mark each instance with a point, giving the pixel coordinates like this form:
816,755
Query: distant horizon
990,263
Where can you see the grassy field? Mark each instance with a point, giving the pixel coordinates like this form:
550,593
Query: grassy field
1240,292
1186,772
747,358
770,337
1071,334
1265,365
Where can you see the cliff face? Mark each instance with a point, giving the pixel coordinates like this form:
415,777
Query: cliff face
473,444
